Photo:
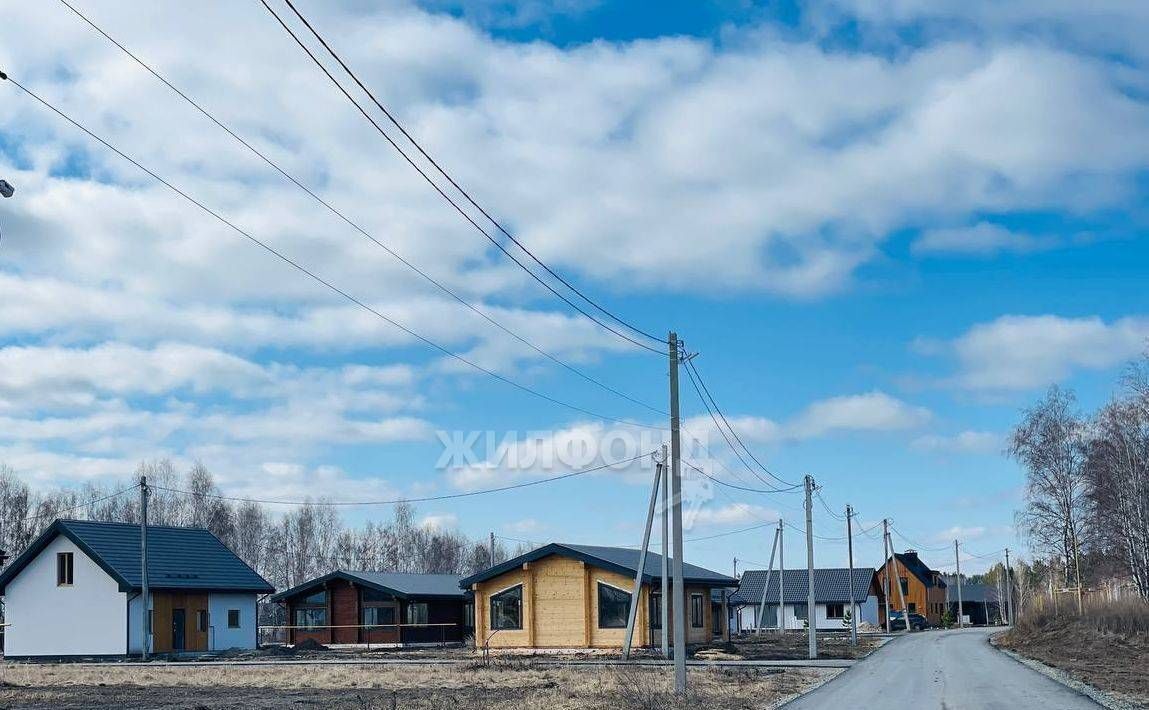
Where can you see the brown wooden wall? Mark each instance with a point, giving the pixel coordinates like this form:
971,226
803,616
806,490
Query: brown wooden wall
162,605
927,601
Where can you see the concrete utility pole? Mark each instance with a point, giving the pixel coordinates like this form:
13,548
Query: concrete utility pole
850,549
1009,610
735,568
492,549
636,594
665,589
1000,599
811,617
145,597
676,523
781,577
957,562
766,586
902,592
886,554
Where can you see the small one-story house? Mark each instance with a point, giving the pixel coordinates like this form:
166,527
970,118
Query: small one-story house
346,607
832,596
980,603
76,591
578,596
924,588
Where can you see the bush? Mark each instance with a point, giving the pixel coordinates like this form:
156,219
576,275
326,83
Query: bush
1126,617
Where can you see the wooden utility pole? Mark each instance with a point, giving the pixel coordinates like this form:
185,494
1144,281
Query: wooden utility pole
676,523
145,596
811,617
640,573
665,589
957,562
886,552
850,548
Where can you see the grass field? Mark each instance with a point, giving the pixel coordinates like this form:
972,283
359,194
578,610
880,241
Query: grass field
500,686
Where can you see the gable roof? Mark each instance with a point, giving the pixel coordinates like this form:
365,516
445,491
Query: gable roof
970,591
910,560
398,584
830,585
178,558
623,560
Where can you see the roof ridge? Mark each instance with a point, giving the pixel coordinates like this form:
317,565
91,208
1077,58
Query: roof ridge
134,525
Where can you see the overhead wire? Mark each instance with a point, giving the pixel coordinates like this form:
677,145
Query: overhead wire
56,513
313,275
342,216
458,208
916,545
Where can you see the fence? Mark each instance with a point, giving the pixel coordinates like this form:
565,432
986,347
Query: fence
280,635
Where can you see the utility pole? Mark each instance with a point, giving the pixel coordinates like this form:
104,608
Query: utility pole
850,549
781,578
735,568
886,554
766,585
811,617
1009,610
1077,566
665,610
676,523
492,549
145,597
902,592
636,594
957,562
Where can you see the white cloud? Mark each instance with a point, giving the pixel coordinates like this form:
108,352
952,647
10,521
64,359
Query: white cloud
960,533
439,521
730,514
965,442
874,411
526,526
1026,352
981,239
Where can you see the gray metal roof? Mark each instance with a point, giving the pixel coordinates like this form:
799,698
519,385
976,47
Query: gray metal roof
400,584
178,558
830,585
623,560
970,592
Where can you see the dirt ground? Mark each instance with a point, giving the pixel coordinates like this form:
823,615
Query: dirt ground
499,686
771,646
1115,663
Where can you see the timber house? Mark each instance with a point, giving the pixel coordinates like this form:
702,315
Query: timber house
924,588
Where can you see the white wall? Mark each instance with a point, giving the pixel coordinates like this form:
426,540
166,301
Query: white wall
749,615
222,638
87,618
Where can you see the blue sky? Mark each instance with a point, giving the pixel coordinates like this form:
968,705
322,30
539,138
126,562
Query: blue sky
885,229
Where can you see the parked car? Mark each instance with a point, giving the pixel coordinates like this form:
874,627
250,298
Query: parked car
917,622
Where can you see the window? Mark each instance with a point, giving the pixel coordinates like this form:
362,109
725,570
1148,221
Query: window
835,611
800,611
905,585
63,569
378,616
913,607
311,617
371,595
696,611
656,610
613,607
507,609
233,618
319,597
201,620
469,615
417,613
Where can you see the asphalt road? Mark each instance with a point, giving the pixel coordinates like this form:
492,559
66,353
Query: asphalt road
946,670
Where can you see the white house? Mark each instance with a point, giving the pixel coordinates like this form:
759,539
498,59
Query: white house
833,593
76,592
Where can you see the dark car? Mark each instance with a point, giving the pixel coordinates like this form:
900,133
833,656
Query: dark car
917,622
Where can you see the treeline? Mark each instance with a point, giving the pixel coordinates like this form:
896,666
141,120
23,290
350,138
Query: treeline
286,545
1086,511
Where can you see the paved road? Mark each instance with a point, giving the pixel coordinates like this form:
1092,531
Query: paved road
946,670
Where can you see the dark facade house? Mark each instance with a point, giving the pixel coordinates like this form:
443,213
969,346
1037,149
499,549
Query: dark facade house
346,607
979,602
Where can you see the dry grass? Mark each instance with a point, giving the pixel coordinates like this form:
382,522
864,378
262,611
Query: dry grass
494,687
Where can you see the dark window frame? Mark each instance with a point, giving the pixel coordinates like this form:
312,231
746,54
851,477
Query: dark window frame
697,611
801,611
202,621
65,569
234,619
513,593
376,610
656,610
624,600
832,608
412,619
309,611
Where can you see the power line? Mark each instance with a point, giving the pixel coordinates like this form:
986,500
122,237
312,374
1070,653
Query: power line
424,499
691,368
839,516
826,538
916,545
458,208
262,156
730,532
56,513
737,487
315,277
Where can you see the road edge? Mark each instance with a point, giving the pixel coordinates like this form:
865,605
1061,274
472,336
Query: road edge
1098,696
858,662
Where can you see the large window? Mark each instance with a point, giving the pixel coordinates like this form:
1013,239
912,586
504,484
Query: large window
63,569
319,597
507,609
417,613
372,595
233,618
835,611
613,607
800,612
469,615
656,610
378,616
311,617
696,614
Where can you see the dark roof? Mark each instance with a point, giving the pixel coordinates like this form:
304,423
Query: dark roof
623,560
830,585
970,592
921,570
398,584
178,558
